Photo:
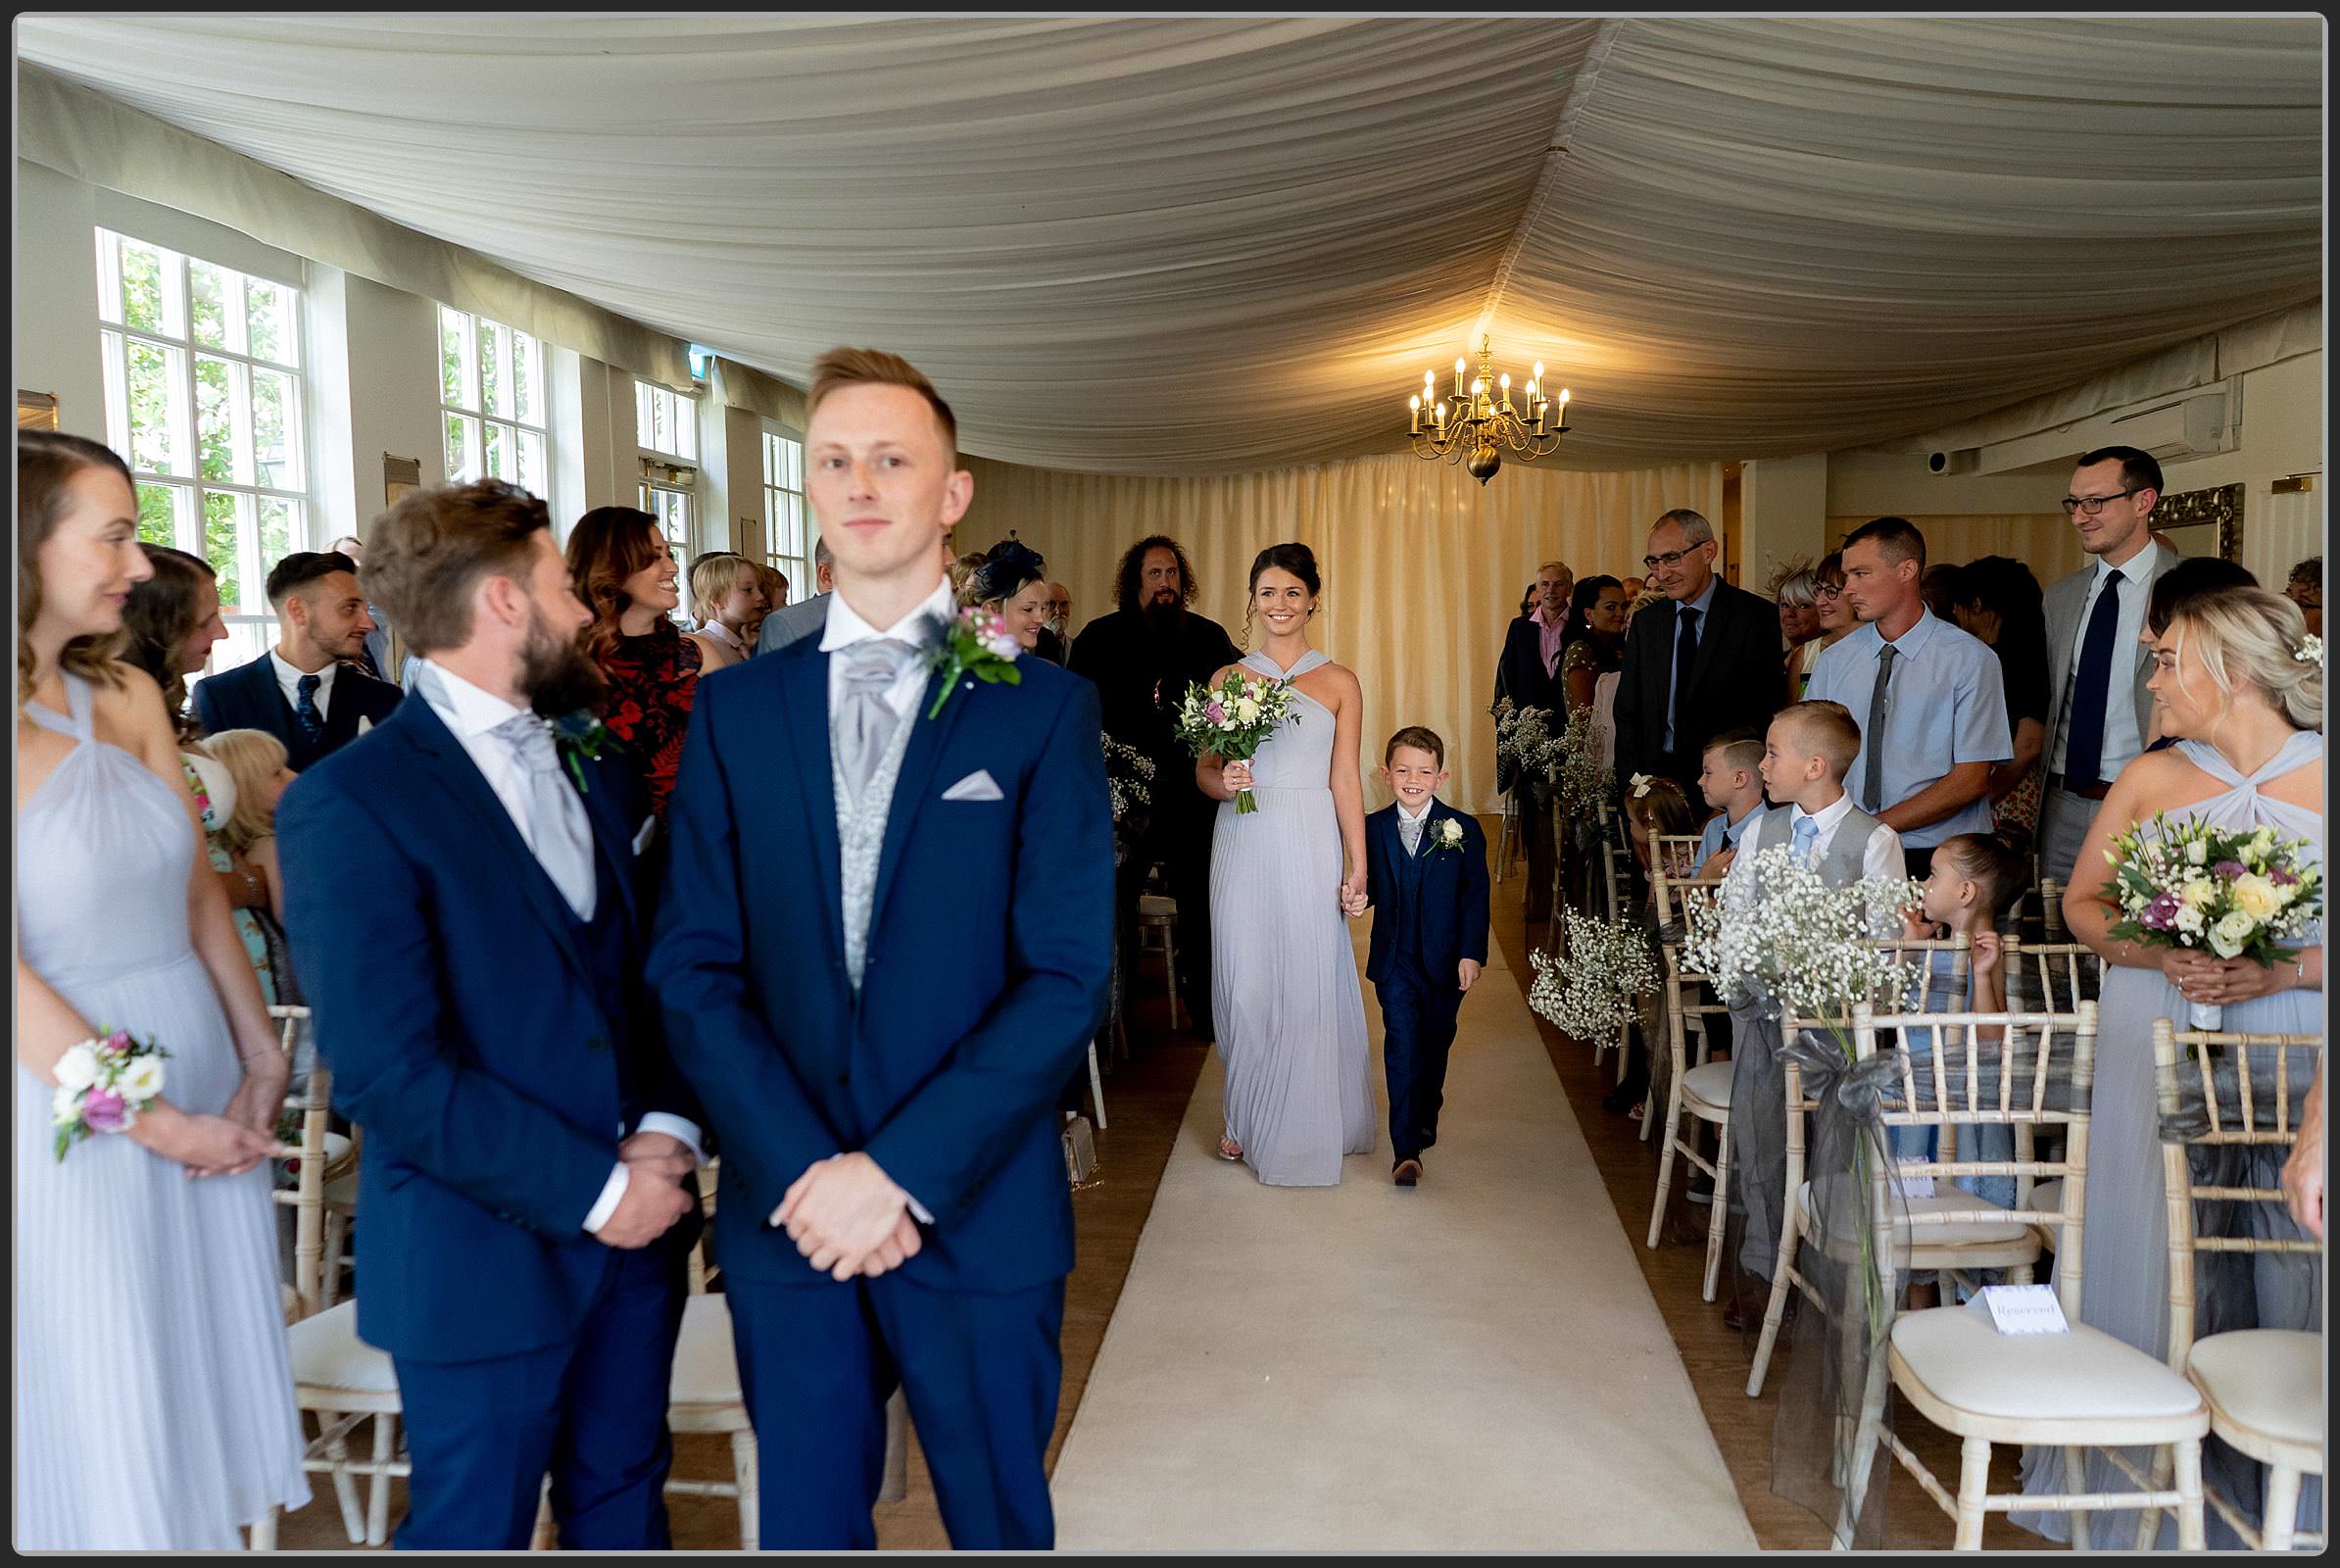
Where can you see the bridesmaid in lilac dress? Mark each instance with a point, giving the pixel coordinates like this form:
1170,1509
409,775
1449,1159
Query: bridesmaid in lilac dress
1283,976
2247,710
153,1394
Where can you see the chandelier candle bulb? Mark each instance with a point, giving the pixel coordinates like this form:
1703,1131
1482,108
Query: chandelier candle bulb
1415,405
1458,380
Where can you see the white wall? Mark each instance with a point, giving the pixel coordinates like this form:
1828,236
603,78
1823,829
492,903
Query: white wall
55,297
1783,512
2282,434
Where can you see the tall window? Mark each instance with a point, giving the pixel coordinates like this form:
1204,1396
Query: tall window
788,541
667,432
204,396
492,402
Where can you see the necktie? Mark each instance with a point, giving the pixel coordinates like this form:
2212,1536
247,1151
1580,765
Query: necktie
1873,734
2084,751
1685,653
865,721
1799,848
557,828
1410,833
313,722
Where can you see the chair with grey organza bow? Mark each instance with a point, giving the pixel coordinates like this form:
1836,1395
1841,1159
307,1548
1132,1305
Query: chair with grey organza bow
2245,1281
1701,1092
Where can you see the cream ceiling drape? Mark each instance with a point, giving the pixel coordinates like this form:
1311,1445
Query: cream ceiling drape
1423,570
1189,245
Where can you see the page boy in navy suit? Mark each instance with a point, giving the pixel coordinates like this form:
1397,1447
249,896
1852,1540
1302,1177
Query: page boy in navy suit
1425,873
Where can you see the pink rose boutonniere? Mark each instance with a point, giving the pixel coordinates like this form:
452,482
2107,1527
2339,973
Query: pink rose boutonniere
977,644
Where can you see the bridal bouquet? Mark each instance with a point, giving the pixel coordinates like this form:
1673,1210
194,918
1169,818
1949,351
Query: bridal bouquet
1593,987
1234,721
1801,945
102,1084
2193,885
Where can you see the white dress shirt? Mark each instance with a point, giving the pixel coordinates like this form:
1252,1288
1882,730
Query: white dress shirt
1880,856
288,681
2122,743
845,628
472,715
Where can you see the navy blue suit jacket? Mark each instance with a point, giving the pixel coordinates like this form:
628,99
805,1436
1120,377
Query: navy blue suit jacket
465,1036
249,697
1447,922
991,949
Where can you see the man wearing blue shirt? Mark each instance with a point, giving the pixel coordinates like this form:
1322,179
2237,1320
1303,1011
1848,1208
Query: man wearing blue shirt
1927,697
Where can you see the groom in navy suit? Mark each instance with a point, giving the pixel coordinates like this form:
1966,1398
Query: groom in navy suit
462,913
1426,877
880,1037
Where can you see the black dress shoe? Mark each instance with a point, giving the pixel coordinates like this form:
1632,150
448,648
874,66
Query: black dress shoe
1407,1172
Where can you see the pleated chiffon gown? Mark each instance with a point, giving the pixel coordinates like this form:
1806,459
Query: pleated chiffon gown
1284,977
154,1398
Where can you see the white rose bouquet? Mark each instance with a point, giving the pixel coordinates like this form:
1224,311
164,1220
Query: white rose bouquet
2193,885
1593,987
1234,721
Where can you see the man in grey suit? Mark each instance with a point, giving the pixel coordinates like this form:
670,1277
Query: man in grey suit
791,622
2098,709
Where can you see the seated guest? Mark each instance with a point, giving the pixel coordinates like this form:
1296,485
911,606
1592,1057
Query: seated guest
1998,601
1655,807
2176,590
1730,781
625,573
259,773
728,590
1806,752
1013,587
2306,590
301,691
1928,699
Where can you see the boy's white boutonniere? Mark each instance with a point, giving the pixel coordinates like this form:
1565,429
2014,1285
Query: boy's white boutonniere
978,644
1446,834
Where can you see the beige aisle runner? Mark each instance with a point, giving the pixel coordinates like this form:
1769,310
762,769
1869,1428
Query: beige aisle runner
1472,1364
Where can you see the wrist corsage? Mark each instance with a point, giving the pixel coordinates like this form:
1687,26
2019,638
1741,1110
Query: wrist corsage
978,644
102,1084
1447,835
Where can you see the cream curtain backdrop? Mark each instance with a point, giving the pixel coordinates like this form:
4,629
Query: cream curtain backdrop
1423,570
1195,244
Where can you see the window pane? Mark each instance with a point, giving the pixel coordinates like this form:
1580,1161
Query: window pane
686,429
209,291
532,463
278,527
499,451
214,420
772,457
158,514
153,384
661,415
494,369
462,440
223,526
276,430
142,299
645,423
525,380
451,361
269,308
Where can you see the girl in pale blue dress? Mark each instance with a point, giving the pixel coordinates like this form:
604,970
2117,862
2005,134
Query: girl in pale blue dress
1291,1016
2266,713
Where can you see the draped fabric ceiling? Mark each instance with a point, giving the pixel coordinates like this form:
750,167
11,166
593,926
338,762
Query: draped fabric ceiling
1195,246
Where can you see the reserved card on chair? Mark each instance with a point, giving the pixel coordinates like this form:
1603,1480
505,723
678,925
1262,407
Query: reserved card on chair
2025,1309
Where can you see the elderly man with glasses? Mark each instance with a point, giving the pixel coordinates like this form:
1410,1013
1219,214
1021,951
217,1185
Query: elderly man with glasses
2099,712
1709,661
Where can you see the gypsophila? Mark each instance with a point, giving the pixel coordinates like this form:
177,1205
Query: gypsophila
1593,987
1799,945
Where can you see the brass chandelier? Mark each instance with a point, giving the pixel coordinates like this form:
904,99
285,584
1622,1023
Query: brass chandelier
1482,422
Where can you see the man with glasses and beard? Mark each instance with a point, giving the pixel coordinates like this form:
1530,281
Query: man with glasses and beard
461,903
1143,657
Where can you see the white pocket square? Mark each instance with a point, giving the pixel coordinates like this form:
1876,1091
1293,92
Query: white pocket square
976,786
363,723
649,828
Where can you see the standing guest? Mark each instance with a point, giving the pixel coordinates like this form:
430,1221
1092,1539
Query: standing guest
1633,587
1836,616
1935,587
1593,643
1013,588
529,1144
962,572
1284,980
2306,590
775,597
1143,657
258,773
786,625
881,1040
375,656
624,571
729,588
1528,674
1529,600
153,1402
1430,939
1795,593
1997,600
2097,669
1731,782
1710,665
2243,691
2173,591
1934,700
301,691
1061,612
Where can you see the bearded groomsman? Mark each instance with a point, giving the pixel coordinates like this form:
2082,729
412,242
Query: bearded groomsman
2099,710
880,1041
461,907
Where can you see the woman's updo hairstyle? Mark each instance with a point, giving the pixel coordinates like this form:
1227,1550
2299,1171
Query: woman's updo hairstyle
2248,635
1296,559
